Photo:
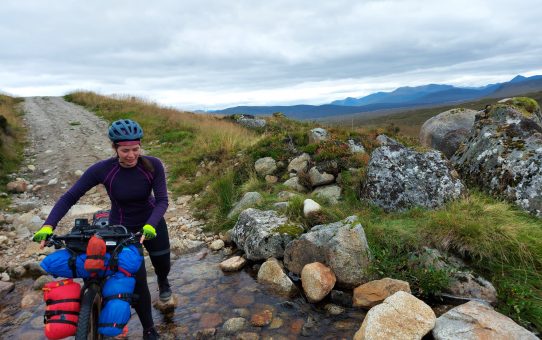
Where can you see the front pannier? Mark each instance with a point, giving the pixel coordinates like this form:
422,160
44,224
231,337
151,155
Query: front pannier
62,299
117,296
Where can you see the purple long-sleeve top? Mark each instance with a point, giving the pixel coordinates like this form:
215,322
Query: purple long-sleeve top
132,203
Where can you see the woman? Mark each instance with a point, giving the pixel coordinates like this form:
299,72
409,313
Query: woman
129,179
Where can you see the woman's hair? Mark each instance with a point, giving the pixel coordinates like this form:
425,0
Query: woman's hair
147,165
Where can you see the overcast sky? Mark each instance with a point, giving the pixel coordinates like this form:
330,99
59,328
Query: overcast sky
204,54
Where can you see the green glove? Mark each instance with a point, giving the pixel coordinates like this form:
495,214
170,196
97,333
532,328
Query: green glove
149,232
43,233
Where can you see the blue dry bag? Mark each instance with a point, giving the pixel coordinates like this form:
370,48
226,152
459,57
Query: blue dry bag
117,293
64,263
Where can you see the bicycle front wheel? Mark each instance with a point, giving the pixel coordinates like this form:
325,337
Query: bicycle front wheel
91,303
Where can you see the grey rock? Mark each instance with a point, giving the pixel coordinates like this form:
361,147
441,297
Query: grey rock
355,147
331,193
234,325
265,166
255,233
272,274
294,184
342,246
5,288
41,281
318,135
249,199
399,178
251,122
300,163
447,130
319,179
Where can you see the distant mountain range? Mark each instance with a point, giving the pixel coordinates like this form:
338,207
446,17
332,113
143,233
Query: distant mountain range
403,97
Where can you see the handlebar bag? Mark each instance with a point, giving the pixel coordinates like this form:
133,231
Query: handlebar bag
117,295
64,263
96,250
62,299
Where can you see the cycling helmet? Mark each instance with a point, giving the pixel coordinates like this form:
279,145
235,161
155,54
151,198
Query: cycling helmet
125,130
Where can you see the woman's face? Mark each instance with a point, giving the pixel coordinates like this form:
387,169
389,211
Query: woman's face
128,155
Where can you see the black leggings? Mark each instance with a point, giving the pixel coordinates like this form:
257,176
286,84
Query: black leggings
159,253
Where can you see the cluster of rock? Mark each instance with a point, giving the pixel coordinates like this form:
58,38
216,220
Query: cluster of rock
331,258
498,149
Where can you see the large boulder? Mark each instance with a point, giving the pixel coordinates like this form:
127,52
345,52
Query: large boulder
503,154
342,246
399,178
258,233
401,316
475,320
250,121
446,131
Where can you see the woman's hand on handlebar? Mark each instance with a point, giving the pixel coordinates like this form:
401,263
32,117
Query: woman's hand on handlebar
43,234
148,232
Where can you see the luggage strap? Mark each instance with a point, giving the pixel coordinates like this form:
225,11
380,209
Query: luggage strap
123,296
52,302
72,264
62,321
112,324
96,257
59,312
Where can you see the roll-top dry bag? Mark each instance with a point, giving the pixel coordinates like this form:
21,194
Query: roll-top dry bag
62,300
96,250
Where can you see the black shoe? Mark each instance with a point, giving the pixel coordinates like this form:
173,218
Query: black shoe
165,290
151,334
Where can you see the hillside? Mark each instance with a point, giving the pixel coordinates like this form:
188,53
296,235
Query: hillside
410,121
215,158
418,97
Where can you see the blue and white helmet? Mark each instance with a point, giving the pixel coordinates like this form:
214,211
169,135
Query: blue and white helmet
125,130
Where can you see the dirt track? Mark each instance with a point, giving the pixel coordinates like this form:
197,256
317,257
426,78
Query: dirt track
63,138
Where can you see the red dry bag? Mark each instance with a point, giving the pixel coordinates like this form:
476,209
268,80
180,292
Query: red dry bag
62,299
96,249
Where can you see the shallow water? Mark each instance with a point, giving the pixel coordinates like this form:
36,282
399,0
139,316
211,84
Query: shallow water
207,297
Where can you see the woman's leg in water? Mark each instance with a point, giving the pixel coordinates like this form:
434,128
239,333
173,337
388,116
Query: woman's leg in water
143,303
160,255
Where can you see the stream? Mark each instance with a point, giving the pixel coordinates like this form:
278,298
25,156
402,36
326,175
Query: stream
207,297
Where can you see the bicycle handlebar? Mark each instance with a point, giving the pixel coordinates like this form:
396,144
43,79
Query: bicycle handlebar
58,240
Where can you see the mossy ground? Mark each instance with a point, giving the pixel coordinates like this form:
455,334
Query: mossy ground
214,157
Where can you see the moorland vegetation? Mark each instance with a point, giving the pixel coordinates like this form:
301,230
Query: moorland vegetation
212,157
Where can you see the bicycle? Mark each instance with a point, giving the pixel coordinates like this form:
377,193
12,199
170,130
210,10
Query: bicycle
115,238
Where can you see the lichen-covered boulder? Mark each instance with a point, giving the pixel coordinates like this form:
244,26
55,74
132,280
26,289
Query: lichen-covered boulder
258,233
503,154
399,178
342,246
446,131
